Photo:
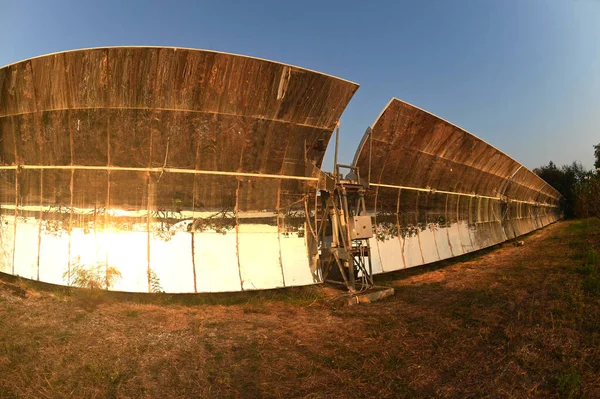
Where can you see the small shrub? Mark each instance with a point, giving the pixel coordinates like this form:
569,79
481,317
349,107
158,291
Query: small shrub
154,282
95,276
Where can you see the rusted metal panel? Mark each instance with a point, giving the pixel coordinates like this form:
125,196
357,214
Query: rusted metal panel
457,193
186,170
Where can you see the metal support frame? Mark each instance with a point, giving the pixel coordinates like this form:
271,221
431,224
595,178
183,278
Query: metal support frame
351,255
345,259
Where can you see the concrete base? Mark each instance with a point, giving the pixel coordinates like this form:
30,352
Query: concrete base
372,295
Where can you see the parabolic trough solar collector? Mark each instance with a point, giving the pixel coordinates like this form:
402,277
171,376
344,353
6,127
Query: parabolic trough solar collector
437,191
201,169
108,154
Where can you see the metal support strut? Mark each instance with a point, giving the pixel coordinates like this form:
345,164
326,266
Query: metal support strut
344,242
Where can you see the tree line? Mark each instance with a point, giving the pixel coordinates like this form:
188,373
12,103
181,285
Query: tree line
580,187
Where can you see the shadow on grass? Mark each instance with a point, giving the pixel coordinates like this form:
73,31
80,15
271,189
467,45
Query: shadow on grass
291,295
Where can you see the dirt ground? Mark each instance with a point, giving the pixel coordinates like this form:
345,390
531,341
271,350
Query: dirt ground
509,322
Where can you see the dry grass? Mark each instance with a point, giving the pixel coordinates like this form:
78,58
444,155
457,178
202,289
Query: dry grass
513,322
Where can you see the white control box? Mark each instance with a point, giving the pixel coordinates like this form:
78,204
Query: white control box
360,227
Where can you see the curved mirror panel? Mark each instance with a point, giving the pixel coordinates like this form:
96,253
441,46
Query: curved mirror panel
438,191
151,169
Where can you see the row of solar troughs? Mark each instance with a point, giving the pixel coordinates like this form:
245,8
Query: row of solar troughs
186,170
167,241
439,191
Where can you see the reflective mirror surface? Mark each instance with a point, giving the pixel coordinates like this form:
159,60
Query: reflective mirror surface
437,191
162,169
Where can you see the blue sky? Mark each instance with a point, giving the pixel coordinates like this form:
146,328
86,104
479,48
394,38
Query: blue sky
524,75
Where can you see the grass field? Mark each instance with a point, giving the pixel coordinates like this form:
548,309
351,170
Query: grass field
509,322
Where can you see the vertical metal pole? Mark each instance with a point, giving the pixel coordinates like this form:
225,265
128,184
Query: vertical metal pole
315,218
349,238
361,201
334,221
347,217
335,157
370,264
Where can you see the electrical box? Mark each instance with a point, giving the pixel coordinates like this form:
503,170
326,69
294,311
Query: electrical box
360,227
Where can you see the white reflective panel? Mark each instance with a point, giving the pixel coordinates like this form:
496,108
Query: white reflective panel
26,250
479,237
390,254
295,258
485,235
54,256
472,229
215,257
529,225
259,256
466,238
376,263
428,246
127,252
6,241
387,229
171,261
412,251
454,237
499,233
441,239
87,248
297,242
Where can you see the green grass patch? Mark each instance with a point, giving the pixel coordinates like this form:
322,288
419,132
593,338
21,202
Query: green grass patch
590,262
583,226
568,384
590,269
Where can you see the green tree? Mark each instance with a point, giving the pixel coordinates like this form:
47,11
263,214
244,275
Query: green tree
588,190
579,187
588,196
565,180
